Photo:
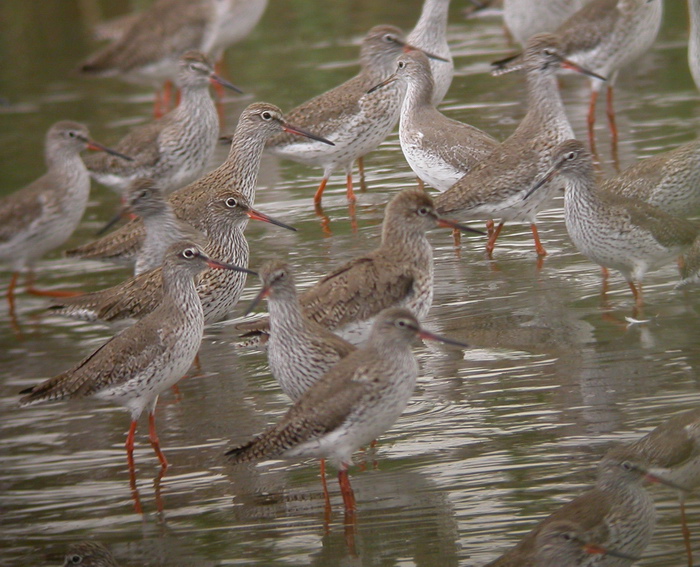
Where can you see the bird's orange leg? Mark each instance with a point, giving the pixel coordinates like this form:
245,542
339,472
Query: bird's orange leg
153,436
491,244
538,245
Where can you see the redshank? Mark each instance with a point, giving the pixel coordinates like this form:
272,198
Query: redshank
174,149
142,361
42,216
355,121
430,35
494,188
617,515
149,46
239,172
672,450
560,543
399,273
221,216
357,400
146,200
525,18
606,36
300,350
616,232
439,150
668,180
89,554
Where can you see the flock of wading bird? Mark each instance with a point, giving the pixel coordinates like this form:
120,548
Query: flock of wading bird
341,350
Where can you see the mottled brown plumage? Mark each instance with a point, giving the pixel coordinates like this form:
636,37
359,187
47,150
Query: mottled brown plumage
439,150
300,350
397,273
357,400
173,149
617,232
136,365
42,216
355,120
221,216
89,554
617,514
239,173
672,451
147,46
494,188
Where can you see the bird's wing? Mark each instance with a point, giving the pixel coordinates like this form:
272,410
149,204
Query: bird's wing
357,290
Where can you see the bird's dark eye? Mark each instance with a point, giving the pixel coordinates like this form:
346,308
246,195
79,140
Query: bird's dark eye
571,155
72,134
402,64
189,253
76,559
389,38
401,323
266,115
231,203
423,211
547,51
626,465
566,536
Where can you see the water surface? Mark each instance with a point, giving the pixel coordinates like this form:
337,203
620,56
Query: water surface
495,438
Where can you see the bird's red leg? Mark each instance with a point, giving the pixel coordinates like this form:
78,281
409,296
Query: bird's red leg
491,244
346,491
153,436
538,245
350,190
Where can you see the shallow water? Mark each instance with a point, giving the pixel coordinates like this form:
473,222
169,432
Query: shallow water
495,437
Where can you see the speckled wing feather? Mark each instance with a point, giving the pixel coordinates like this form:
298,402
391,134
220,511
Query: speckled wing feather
668,231
18,210
660,175
356,291
167,37
585,29
123,243
141,144
464,145
135,297
478,186
320,410
118,360
665,446
324,114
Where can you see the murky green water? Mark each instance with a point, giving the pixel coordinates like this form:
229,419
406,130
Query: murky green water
495,437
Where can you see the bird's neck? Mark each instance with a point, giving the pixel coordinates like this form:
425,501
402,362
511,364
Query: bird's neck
419,93
285,312
544,103
432,24
243,163
180,291
406,242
